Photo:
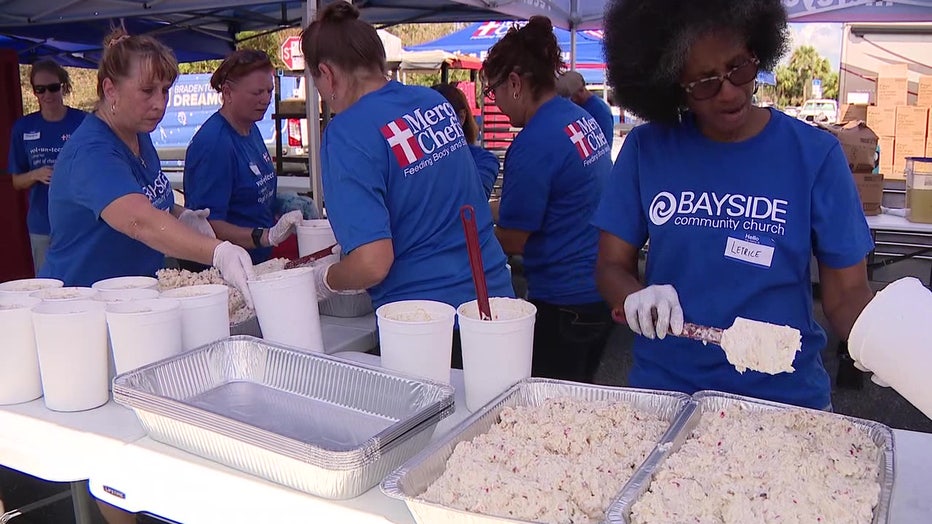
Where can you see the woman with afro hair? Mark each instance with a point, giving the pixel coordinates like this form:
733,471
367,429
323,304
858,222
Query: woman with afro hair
735,199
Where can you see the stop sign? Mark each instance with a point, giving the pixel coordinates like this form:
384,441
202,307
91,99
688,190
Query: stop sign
291,53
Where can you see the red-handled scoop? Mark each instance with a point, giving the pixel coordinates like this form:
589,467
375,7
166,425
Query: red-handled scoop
468,216
704,334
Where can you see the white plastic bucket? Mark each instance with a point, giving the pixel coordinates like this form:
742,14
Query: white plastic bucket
143,331
62,294
416,338
19,371
132,282
122,295
314,235
28,286
286,306
126,295
891,339
71,340
497,353
205,313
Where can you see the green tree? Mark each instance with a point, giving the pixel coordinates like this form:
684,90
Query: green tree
794,80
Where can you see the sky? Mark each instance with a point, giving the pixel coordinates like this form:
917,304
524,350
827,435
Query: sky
826,38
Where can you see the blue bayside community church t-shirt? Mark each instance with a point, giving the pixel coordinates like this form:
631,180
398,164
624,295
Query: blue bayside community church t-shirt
396,166
95,168
732,227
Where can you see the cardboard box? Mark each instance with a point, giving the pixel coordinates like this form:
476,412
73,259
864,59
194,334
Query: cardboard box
851,112
870,189
882,120
887,153
898,70
892,91
858,142
905,148
925,91
912,122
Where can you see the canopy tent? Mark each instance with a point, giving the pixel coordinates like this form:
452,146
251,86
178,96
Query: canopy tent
477,38
227,18
232,16
79,44
587,14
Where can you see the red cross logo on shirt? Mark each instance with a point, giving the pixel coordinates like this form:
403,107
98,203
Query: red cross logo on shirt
486,29
403,142
579,140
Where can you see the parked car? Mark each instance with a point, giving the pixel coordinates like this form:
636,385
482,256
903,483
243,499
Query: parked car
819,110
192,101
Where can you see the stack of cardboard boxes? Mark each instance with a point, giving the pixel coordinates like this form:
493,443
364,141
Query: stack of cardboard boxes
903,129
859,144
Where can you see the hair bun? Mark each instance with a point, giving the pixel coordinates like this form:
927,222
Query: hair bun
540,23
340,11
115,36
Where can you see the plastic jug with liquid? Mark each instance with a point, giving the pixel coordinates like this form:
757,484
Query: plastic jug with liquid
919,189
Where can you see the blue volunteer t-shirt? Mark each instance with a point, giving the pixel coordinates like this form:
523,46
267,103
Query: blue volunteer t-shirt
95,168
233,175
602,113
35,142
732,227
487,164
552,185
396,166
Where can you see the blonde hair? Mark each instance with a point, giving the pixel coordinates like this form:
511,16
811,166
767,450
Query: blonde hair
121,51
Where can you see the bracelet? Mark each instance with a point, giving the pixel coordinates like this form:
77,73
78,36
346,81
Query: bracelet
257,236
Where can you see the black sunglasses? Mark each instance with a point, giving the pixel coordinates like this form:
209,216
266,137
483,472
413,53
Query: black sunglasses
51,88
489,92
706,88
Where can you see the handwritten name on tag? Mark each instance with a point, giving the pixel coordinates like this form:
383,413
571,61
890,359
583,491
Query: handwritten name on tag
751,249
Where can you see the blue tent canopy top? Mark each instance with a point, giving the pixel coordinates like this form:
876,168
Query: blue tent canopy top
476,39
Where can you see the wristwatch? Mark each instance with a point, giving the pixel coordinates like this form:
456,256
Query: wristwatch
257,236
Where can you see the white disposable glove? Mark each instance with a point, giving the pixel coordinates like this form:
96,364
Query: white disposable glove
235,267
284,228
324,291
196,219
640,309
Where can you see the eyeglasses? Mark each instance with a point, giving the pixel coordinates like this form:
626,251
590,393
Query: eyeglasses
489,92
706,88
51,88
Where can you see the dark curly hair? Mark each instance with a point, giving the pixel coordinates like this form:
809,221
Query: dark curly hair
530,51
646,43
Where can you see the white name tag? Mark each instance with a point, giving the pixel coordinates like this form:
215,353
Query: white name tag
254,168
751,249
32,136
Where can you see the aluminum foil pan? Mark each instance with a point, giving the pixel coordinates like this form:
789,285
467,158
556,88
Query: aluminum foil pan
412,479
267,409
620,511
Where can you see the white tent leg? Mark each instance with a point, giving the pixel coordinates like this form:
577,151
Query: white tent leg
312,96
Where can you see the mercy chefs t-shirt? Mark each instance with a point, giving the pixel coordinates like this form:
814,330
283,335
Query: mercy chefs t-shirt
233,176
396,166
732,226
95,168
553,178
599,110
35,142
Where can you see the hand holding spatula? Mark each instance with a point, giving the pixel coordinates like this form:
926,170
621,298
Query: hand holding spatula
748,344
